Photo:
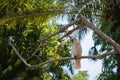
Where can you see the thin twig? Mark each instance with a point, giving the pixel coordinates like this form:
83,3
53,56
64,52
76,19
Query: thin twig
70,32
21,58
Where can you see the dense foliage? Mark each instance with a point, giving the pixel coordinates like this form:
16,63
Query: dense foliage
24,23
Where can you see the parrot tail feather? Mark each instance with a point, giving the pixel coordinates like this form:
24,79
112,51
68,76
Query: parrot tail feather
77,64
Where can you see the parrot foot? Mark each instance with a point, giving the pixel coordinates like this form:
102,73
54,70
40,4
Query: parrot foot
75,56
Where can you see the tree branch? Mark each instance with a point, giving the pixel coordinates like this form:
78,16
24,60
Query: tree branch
21,58
101,34
53,34
86,22
78,57
70,32
60,59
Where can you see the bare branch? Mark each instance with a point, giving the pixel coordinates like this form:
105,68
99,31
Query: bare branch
61,59
101,34
72,58
21,58
89,24
53,34
70,32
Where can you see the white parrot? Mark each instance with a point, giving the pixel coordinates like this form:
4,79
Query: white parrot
76,51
